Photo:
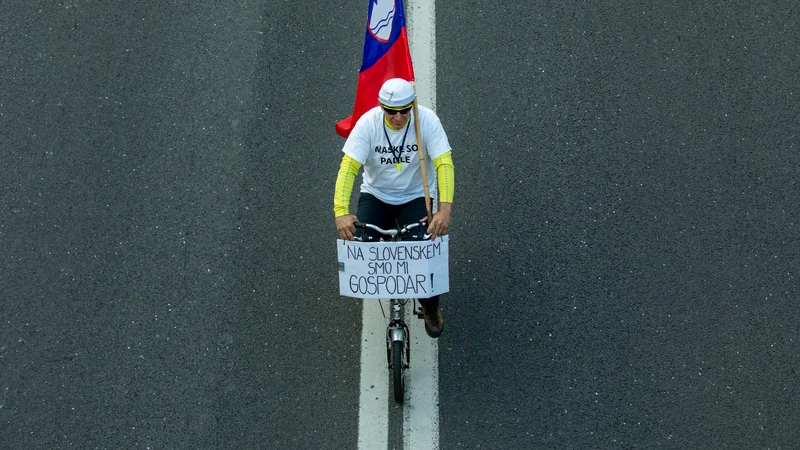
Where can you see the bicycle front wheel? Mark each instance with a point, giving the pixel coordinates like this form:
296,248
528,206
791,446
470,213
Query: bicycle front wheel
398,370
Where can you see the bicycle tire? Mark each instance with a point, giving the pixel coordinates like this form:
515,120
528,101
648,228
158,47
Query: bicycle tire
398,371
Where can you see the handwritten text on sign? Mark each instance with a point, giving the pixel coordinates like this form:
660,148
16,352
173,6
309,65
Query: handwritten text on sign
411,269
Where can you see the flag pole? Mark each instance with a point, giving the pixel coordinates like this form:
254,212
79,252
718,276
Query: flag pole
421,153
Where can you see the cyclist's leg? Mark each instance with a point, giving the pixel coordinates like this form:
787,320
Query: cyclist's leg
371,210
412,212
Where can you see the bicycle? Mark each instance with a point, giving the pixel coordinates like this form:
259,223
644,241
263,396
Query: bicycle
398,339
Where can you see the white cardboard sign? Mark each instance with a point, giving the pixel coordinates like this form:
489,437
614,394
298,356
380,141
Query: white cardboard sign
407,269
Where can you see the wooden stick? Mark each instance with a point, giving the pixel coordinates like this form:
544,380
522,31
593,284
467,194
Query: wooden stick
421,153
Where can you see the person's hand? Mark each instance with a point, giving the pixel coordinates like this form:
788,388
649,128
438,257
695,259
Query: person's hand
345,227
440,221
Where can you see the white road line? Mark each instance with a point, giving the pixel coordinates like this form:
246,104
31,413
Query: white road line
373,412
421,27
421,404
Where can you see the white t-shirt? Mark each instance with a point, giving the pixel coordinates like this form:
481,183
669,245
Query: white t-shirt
391,172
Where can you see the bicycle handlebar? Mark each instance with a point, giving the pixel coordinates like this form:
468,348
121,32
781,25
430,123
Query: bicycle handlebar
391,232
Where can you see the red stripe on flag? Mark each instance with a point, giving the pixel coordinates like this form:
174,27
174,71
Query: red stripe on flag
396,63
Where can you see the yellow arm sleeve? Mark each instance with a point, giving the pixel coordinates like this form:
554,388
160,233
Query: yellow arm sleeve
344,185
445,176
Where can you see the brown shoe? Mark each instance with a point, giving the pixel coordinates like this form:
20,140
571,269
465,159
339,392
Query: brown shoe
434,322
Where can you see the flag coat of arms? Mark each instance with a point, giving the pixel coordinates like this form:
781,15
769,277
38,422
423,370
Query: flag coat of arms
386,56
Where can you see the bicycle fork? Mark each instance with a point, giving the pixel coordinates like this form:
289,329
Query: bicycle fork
397,331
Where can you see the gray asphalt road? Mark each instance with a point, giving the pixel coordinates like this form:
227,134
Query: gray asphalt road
625,269
163,227
624,249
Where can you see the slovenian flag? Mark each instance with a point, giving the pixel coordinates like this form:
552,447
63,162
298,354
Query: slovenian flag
386,56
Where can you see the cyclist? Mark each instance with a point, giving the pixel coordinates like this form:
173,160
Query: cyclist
391,190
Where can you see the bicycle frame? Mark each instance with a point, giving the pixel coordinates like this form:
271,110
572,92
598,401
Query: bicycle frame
396,330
